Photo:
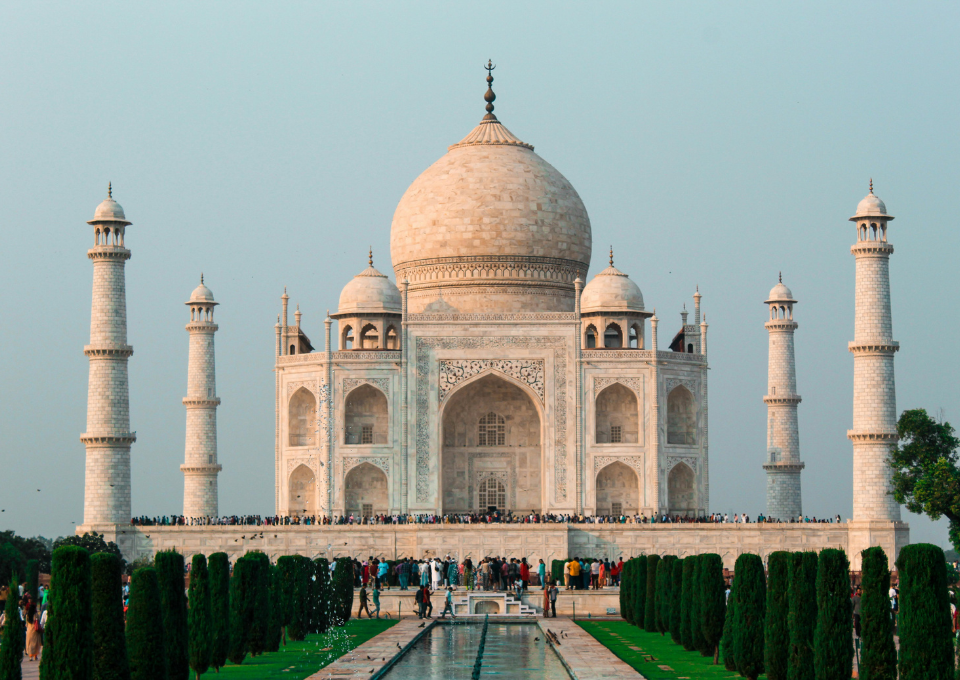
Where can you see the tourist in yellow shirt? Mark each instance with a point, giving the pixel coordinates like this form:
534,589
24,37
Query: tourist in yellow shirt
574,572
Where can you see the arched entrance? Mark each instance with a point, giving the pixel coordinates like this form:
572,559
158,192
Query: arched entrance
491,429
302,490
618,490
365,491
681,490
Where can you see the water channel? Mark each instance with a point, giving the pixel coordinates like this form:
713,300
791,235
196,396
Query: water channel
449,652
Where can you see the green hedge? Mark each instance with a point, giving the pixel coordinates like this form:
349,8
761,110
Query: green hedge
802,616
11,642
776,649
176,642
713,603
696,606
832,651
145,643
926,649
69,649
676,611
650,601
750,612
199,616
878,655
341,588
109,634
218,566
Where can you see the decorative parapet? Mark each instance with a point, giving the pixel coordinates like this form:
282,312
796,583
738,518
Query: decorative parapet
539,317
642,355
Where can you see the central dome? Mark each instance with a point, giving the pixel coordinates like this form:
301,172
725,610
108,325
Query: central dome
490,227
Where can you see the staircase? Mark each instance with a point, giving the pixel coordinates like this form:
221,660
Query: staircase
487,603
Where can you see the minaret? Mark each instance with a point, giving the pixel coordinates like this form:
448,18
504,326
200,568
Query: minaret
783,464
106,493
874,394
200,467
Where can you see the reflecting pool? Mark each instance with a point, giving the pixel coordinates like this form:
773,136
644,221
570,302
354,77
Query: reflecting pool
511,650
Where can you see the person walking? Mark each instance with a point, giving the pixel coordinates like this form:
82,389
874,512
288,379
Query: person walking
525,573
595,575
468,574
382,569
418,598
376,601
542,574
363,602
448,604
32,648
427,605
554,592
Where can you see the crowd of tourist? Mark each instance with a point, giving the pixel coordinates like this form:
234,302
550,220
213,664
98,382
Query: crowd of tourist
506,517
33,616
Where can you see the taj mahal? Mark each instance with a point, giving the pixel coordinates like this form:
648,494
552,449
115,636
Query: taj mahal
493,372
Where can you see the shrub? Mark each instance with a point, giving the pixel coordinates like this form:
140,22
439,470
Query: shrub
33,580
169,566
626,591
713,603
69,653
556,572
199,616
776,648
218,567
696,606
11,638
275,625
925,641
321,595
241,618
109,634
297,576
727,650
878,656
686,604
640,591
832,651
284,602
676,610
145,640
258,602
650,601
751,592
341,589
665,593
802,616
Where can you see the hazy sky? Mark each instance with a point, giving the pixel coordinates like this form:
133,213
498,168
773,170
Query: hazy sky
267,144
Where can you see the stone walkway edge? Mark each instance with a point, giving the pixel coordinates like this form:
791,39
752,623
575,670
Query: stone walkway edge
355,664
582,654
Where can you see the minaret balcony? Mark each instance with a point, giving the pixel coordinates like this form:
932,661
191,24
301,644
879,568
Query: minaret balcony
109,440
200,402
202,326
108,253
782,399
118,352
201,469
784,467
871,248
887,347
889,436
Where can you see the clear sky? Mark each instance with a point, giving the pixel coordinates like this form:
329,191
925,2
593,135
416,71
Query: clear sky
267,144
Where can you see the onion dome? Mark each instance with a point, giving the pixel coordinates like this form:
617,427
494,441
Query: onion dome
109,210
780,293
201,294
871,206
370,292
611,291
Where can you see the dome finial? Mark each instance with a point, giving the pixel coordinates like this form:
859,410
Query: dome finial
611,256
781,277
871,185
201,278
370,257
109,189
489,97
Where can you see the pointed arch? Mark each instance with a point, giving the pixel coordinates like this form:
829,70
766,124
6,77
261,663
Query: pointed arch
613,336
617,416
302,418
681,417
369,337
618,490
392,338
366,416
346,337
366,491
681,490
302,492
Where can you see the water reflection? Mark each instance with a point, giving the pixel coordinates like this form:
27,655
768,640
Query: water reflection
449,651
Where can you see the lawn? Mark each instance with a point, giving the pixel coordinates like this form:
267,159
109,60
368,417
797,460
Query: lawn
299,659
670,662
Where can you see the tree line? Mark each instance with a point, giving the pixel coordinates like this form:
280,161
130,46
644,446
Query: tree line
793,620
169,632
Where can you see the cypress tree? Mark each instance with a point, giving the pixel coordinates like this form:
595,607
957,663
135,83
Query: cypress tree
240,617
322,594
776,648
218,567
676,610
275,626
342,591
640,591
33,580
713,603
832,650
109,636
802,618
626,584
751,592
696,606
169,566
287,567
145,639
299,598
650,600
727,649
878,656
258,602
69,652
686,604
11,638
665,592
925,641
199,616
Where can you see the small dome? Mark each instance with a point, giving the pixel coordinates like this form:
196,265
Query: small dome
370,292
109,210
871,206
611,291
201,294
780,293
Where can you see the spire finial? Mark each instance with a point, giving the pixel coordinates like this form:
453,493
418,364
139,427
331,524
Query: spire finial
611,256
871,185
781,277
489,97
110,189
370,257
201,278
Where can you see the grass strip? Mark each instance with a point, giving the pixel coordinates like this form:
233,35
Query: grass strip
299,659
670,661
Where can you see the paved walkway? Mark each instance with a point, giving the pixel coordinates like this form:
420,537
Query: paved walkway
377,653
583,655
30,669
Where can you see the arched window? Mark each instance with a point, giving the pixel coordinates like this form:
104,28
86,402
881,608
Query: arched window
367,416
393,340
492,494
634,338
302,423
347,340
591,337
681,417
302,496
492,431
617,416
681,489
613,337
293,349
690,348
369,337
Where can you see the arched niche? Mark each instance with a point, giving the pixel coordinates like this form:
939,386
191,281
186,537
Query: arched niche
369,337
302,492
302,419
618,490
613,336
491,427
366,492
681,490
617,416
681,417
366,417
